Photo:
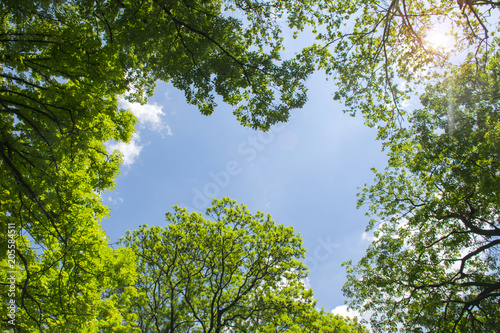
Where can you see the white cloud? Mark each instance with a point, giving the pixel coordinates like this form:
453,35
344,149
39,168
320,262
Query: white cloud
306,282
342,310
112,198
129,150
367,237
149,115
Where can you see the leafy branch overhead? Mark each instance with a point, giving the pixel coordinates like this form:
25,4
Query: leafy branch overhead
379,53
208,49
434,262
64,65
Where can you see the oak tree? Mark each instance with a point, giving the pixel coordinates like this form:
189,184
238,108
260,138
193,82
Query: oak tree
433,265
231,271
434,262
380,53
64,66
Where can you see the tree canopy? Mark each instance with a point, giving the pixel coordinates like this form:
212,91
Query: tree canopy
434,262
379,53
64,66
237,272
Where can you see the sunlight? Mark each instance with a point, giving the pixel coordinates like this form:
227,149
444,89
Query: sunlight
438,40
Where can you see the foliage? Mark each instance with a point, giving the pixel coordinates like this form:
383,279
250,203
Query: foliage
330,323
310,320
325,322
58,108
434,263
379,52
230,49
64,66
236,272
62,290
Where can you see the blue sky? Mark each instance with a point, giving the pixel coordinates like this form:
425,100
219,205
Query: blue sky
305,173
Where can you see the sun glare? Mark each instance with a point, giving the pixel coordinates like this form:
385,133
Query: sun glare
438,40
